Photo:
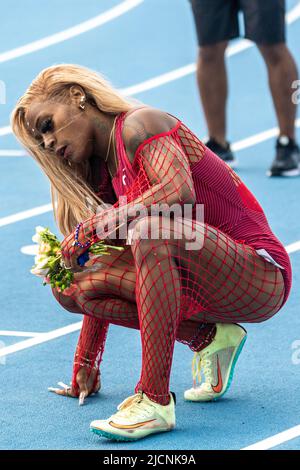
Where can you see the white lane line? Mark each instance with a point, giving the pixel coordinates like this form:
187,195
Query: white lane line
180,72
11,219
275,440
5,130
69,33
236,146
258,138
292,16
155,82
41,338
25,334
159,80
293,247
13,153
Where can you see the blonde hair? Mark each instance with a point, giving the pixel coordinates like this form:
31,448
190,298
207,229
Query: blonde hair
73,199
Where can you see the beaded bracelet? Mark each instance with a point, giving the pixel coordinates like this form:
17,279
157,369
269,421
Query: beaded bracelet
76,242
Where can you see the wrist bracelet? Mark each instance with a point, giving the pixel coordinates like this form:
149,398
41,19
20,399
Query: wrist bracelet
76,242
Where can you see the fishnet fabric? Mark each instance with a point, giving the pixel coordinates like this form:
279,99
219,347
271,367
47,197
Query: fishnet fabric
159,285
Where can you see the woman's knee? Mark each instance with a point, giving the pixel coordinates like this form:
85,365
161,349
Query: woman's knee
86,289
164,226
164,236
67,302
144,228
150,236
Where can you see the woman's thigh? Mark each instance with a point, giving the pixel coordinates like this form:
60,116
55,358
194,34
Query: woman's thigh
229,280
219,277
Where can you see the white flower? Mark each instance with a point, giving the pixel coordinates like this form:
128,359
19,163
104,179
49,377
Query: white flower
44,248
40,268
36,238
39,271
39,229
41,259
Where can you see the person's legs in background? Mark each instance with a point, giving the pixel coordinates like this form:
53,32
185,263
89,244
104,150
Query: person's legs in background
212,83
216,23
282,72
265,25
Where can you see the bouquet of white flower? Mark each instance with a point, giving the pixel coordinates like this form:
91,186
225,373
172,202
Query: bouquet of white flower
49,264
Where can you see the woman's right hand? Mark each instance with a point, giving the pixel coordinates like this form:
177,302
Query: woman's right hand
85,386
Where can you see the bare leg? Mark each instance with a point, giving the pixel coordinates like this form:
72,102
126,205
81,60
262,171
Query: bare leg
212,83
282,72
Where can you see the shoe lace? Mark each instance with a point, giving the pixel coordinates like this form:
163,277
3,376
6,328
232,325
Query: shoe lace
133,405
201,362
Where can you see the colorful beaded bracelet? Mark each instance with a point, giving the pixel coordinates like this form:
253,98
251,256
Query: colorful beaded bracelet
76,242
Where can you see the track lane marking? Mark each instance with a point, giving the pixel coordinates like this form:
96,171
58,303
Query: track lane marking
292,16
25,334
41,338
72,32
275,440
11,219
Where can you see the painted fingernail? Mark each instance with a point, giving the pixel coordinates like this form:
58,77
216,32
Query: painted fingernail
62,384
82,396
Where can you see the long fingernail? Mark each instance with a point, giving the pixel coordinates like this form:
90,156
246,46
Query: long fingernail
81,398
62,384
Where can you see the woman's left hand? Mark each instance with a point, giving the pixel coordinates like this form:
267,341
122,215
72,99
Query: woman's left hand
85,387
71,252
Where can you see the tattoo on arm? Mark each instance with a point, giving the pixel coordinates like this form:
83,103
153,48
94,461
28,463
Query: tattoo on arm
138,133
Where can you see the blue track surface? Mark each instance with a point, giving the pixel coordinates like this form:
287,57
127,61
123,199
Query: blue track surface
264,396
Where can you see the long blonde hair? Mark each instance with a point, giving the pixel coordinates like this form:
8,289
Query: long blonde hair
73,199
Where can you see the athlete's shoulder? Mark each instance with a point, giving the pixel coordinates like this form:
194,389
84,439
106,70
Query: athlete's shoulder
144,123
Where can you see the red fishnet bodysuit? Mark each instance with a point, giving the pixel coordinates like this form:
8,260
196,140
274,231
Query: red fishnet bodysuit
165,290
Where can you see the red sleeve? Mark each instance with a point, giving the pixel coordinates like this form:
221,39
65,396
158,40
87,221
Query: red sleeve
90,346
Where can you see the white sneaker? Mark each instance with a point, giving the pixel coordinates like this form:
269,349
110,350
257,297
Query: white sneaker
137,417
217,361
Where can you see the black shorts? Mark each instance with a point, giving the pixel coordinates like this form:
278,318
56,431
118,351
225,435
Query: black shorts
217,20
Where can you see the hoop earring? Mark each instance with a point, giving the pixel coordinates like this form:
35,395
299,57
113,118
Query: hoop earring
82,101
